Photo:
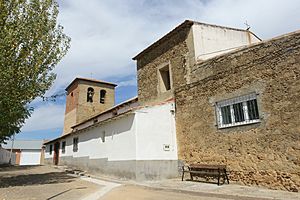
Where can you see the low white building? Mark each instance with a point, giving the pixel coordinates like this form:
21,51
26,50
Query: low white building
133,142
28,152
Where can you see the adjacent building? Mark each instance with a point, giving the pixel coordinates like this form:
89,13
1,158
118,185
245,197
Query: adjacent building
27,152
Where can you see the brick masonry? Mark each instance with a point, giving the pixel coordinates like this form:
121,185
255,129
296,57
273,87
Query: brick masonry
267,153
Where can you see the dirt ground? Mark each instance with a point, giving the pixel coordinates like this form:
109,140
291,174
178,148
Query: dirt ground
41,182
48,183
131,192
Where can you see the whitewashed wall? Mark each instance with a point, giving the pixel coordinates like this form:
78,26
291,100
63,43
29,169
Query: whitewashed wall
208,39
136,136
119,143
155,131
5,155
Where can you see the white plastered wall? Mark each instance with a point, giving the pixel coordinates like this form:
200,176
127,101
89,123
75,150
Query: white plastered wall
210,41
5,156
141,135
119,142
156,131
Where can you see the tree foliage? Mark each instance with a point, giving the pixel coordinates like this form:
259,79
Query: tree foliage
31,45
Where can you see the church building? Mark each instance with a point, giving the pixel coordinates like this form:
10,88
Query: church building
206,94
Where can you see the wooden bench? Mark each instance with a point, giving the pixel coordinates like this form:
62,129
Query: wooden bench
205,171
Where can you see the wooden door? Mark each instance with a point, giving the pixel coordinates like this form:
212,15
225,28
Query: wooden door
56,153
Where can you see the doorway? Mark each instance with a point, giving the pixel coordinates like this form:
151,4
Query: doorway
56,153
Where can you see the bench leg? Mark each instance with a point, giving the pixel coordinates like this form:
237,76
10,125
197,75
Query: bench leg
226,176
182,175
219,178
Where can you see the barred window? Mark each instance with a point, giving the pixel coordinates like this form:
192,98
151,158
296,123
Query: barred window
237,111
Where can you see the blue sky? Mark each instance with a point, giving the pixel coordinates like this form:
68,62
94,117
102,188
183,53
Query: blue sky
106,34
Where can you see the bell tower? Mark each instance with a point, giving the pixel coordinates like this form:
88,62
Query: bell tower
86,98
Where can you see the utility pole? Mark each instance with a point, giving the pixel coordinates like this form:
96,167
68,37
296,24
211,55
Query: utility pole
11,149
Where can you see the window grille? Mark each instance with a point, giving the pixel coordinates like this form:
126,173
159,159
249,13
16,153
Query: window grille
237,111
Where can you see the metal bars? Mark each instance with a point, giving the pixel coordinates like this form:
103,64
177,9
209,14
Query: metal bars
237,111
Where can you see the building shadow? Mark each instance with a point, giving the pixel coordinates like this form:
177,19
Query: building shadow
34,179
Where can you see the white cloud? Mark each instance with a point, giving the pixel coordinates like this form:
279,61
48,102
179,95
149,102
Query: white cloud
45,117
131,82
106,34
267,18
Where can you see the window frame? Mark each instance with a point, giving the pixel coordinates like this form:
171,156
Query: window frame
165,85
75,144
102,95
103,137
245,111
63,147
50,149
90,91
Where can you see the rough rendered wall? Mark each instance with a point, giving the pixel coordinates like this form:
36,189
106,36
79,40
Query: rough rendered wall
173,52
267,153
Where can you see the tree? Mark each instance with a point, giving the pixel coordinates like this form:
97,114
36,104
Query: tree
31,45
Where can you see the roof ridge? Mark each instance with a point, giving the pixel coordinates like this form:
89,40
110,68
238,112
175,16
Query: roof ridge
91,80
182,25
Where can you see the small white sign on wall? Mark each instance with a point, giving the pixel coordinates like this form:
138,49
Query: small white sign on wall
166,147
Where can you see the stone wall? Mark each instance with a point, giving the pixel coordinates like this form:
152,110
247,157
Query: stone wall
173,51
267,153
86,110
77,107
